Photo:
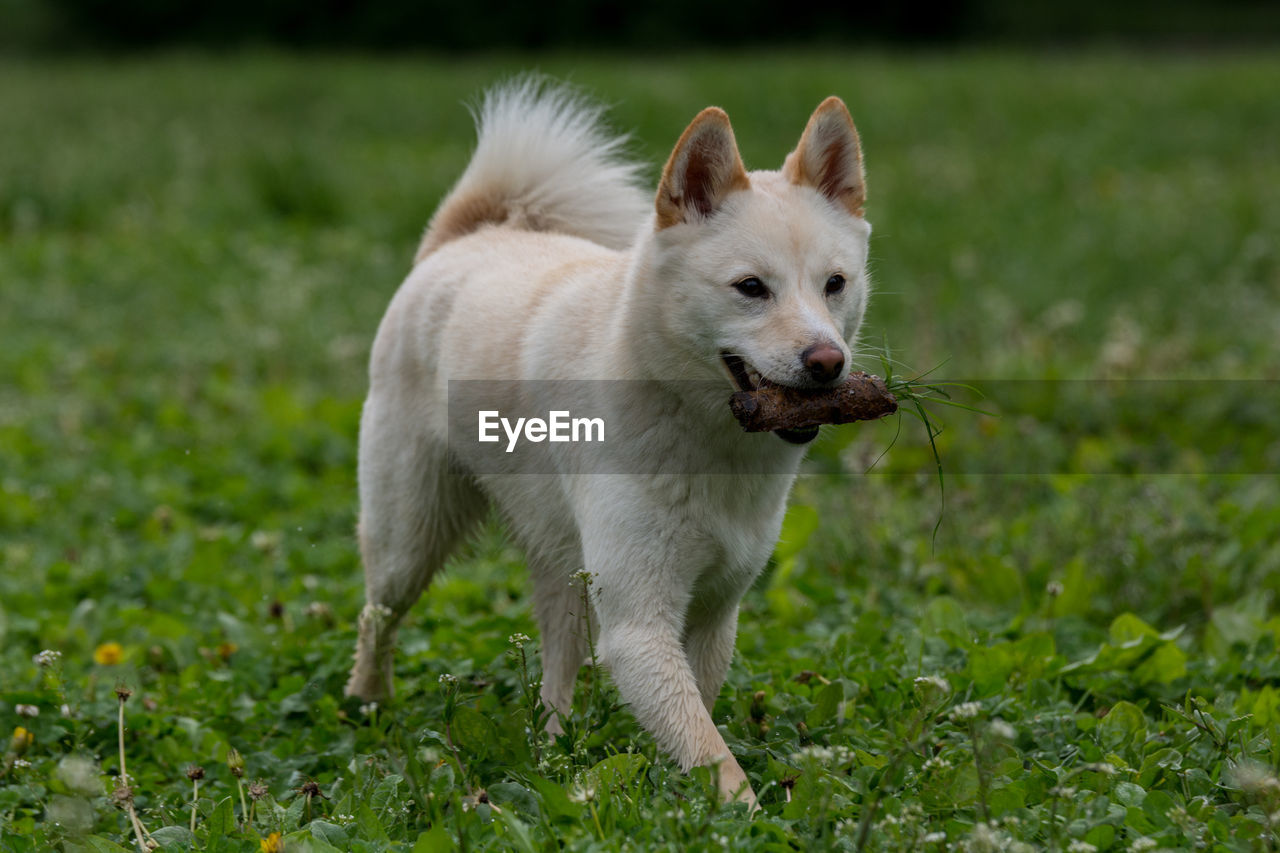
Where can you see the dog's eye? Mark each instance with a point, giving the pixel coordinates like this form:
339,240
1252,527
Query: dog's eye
835,284
752,287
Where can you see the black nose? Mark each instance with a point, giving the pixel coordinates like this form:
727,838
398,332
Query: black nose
823,361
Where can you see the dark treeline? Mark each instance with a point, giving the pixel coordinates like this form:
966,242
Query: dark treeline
652,24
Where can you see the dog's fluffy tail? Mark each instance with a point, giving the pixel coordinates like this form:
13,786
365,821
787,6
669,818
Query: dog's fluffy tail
543,162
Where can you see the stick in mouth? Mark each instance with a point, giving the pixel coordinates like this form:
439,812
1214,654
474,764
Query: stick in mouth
796,413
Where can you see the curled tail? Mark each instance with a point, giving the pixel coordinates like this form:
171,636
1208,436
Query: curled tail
543,162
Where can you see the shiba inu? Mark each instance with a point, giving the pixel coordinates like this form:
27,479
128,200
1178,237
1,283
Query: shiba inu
547,261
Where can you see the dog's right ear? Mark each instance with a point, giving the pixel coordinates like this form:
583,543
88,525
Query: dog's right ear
703,169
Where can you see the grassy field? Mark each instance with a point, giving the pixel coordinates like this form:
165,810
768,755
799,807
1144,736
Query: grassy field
195,253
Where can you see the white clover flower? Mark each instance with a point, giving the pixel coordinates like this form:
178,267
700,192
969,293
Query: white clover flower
983,839
80,775
1253,777
1054,589
933,682
965,711
582,794
27,710
812,752
827,755
1000,730
265,540
73,815
318,610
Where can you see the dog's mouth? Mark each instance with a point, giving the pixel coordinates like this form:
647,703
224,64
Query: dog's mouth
747,378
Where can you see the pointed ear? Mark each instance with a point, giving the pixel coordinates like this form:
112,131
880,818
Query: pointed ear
829,157
704,168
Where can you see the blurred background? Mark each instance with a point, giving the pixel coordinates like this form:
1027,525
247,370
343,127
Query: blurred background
658,25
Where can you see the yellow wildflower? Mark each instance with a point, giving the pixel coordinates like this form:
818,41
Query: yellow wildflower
21,740
108,654
273,843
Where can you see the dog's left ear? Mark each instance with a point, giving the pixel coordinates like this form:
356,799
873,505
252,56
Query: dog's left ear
829,157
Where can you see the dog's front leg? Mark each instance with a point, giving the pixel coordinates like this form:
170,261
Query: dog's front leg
641,598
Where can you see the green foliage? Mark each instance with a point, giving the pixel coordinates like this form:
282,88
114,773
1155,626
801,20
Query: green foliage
194,255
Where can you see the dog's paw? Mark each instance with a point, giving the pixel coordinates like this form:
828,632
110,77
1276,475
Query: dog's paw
734,785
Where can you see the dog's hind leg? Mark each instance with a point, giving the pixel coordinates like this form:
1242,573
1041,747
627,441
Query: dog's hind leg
708,642
414,511
563,612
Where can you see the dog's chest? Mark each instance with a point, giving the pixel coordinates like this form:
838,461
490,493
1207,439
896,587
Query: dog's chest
738,520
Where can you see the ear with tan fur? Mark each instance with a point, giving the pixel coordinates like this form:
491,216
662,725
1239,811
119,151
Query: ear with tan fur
704,167
829,157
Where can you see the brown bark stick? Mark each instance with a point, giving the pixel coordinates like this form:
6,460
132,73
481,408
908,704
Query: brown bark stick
861,397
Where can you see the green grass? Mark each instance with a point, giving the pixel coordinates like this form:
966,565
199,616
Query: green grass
195,253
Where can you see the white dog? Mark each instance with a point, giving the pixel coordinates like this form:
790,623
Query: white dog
546,261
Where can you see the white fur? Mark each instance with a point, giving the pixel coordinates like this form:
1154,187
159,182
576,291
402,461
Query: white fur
544,149
573,285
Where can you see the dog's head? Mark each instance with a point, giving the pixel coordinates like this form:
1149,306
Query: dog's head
768,268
